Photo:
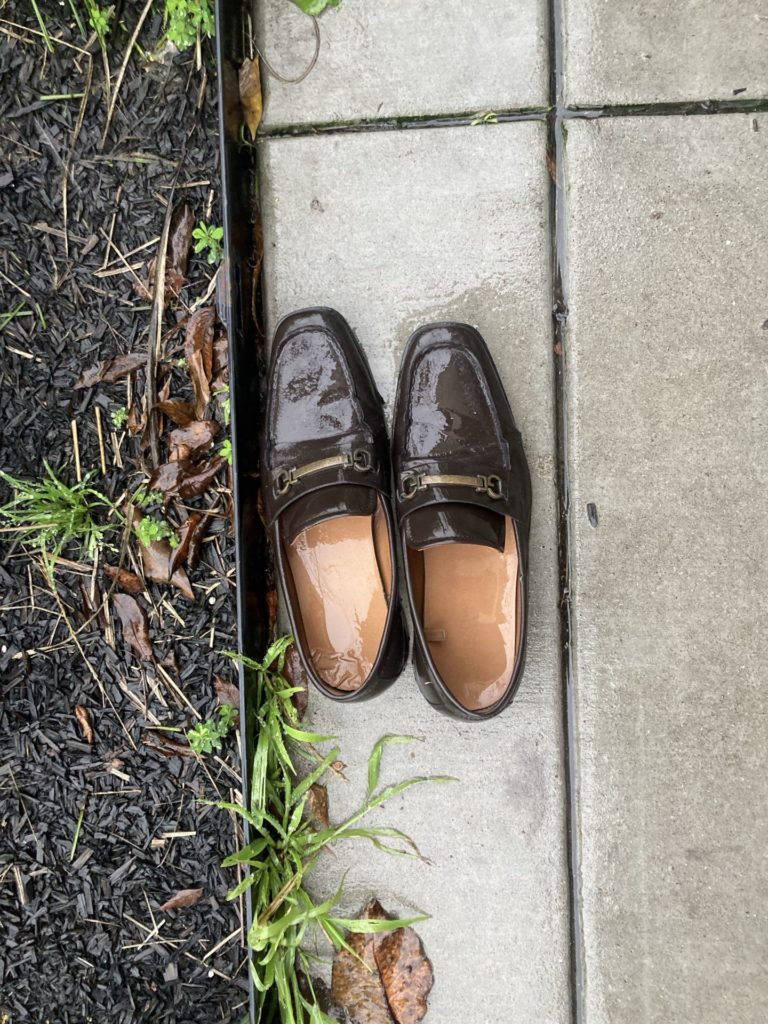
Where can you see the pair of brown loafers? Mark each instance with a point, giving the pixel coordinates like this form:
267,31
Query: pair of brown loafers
462,501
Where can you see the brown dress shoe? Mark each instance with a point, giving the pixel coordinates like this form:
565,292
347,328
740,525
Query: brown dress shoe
326,481
464,510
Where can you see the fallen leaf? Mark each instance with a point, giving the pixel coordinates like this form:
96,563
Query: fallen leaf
167,745
156,559
317,804
250,94
136,421
186,479
185,441
191,536
84,718
227,692
133,619
177,256
183,898
404,968
124,578
356,984
178,410
220,359
198,349
395,969
110,370
180,237
296,675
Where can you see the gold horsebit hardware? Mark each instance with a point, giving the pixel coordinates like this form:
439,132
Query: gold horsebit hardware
283,480
491,485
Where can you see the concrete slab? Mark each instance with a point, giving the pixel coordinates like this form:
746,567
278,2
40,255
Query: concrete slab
395,230
668,400
664,52
400,58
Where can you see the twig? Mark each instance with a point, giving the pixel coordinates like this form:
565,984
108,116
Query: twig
100,433
123,66
156,332
76,451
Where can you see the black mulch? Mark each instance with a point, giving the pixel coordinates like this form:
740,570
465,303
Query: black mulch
86,940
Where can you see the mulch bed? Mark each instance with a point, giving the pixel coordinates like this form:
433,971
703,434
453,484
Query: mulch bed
83,935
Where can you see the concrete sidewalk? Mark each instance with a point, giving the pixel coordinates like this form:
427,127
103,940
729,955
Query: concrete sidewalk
635,894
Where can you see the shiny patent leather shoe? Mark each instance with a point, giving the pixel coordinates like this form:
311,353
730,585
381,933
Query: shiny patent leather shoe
326,481
463,503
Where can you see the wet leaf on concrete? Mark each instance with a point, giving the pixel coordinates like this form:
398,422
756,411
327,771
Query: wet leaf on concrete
356,984
401,970
177,410
83,716
198,350
110,370
296,675
186,479
133,619
124,578
197,435
250,95
317,805
183,898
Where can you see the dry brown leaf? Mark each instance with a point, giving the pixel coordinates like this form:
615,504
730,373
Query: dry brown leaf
156,559
125,579
196,436
183,898
227,692
137,421
296,675
317,803
167,745
250,94
133,619
186,479
110,370
178,410
198,349
401,970
84,718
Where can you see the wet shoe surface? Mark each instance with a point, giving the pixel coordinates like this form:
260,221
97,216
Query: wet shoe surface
326,486
463,498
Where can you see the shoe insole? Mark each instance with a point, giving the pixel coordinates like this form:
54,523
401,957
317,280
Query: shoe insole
342,573
470,617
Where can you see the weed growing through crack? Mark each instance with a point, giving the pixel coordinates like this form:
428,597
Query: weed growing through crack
286,845
51,513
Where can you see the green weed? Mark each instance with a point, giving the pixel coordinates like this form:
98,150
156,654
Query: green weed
285,845
226,450
51,513
207,735
208,238
119,417
185,18
150,530
315,7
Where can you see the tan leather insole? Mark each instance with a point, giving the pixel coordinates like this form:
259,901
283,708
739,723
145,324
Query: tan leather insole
470,617
342,573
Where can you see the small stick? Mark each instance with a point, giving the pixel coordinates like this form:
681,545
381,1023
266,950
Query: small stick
76,450
118,196
78,826
100,432
123,66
